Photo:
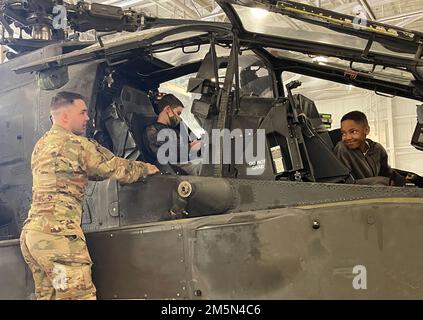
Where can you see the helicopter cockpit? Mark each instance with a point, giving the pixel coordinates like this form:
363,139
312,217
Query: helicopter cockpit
132,110
228,84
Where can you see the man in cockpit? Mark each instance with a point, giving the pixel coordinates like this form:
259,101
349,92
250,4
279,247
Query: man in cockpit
169,110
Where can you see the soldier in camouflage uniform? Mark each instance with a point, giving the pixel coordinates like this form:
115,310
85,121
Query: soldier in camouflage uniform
63,160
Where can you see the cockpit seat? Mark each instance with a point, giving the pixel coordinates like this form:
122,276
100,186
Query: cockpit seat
326,166
139,113
310,110
335,136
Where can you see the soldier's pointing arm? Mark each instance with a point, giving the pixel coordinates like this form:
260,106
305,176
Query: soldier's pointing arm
100,163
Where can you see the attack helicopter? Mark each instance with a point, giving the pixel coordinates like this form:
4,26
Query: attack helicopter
297,229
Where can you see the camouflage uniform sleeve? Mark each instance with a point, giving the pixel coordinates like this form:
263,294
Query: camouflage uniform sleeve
101,164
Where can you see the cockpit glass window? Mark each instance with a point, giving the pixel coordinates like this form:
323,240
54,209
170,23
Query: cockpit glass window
319,89
261,21
254,77
188,54
398,75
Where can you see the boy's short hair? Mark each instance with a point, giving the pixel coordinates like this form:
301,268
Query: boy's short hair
356,116
64,98
168,100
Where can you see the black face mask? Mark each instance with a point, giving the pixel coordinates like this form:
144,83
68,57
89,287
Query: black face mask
174,120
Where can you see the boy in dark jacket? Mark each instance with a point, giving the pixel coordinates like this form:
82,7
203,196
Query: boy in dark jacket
367,160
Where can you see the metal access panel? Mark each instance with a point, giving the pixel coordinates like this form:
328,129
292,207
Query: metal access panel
139,263
11,138
313,253
16,281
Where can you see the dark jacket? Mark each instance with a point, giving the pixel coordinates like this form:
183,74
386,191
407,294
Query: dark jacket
373,164
153,145
182,165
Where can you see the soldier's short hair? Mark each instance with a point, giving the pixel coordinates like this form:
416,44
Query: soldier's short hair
356,116
168,100
64,98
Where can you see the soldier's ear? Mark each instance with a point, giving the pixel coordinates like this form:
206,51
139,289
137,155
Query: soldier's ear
65,116
367,130
167,109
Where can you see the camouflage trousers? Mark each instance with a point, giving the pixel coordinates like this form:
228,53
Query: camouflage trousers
60,265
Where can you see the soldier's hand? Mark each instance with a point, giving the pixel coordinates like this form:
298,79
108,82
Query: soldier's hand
152,169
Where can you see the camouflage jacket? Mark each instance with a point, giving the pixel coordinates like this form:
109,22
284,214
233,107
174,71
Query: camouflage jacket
62,163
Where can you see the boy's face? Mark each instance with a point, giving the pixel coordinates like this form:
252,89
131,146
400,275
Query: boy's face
353,134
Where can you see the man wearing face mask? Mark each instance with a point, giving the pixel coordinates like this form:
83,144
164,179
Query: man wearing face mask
169,109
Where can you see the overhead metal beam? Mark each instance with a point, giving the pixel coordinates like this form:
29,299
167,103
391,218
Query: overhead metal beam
188,11
111,2
409,20
158,3
401,16
175,3
366,7
216,9
195,8
203,8
126,3
216,12
163,6
213,15
151,3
